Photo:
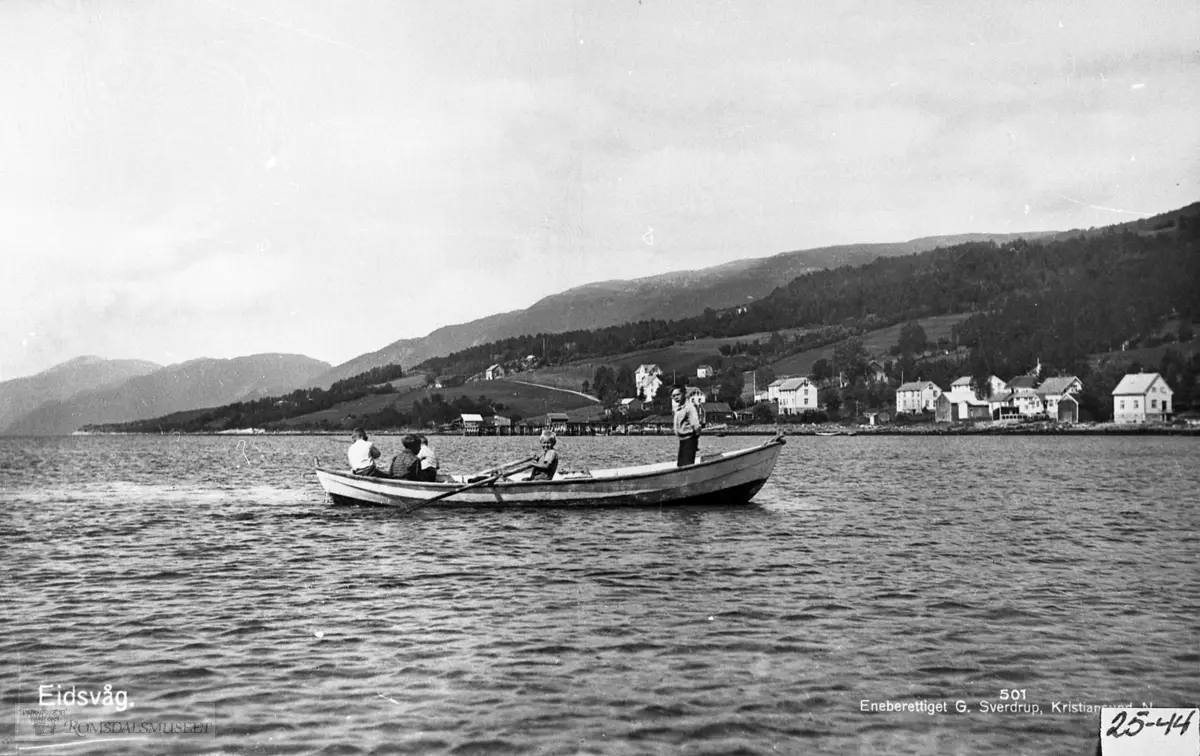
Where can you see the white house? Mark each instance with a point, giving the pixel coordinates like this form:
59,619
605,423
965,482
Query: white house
705,371
961,388
1016,402
695,396
1142,398
1028,402
917,396
1003,405
797,395
1053,390
648,379
493,372
772,394
471,423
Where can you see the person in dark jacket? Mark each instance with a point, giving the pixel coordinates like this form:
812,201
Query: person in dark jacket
687,427
407,465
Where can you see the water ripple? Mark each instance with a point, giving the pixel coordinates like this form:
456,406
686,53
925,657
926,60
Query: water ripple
869,569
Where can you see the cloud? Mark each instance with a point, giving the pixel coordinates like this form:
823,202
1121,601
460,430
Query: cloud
193,175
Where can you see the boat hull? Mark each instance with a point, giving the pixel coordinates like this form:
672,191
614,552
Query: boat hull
729,479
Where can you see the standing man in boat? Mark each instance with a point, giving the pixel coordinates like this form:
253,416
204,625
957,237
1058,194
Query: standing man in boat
687,427
363,455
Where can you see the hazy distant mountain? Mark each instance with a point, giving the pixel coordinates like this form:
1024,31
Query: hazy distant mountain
188,385
21,396
667,296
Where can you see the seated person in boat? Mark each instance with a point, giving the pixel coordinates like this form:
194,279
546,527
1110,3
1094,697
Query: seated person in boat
429,460
364,456
407,464
545,465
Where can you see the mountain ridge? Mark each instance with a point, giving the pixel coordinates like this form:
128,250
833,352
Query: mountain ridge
187,385
20,396
662,296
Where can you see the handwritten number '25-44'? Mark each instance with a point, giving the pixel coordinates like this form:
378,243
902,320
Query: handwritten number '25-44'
1176,720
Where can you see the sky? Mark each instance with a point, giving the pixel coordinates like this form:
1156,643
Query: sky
217,178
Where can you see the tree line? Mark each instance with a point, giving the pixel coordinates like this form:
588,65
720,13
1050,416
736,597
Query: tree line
1055,301
262,413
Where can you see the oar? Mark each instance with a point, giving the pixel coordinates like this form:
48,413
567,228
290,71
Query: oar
501,468
460,489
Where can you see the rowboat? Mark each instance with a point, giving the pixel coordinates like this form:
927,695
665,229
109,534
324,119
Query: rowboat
726,478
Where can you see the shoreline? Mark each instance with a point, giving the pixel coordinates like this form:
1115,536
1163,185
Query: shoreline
826,430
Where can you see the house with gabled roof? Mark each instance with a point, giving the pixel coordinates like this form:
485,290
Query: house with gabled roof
1016,402
648,379
1060,385
1053,390
962,405
917,396
1003,406
1023,381
1142,398
472,423
797,395
1028,402
773,389
962,387
630,404
719,412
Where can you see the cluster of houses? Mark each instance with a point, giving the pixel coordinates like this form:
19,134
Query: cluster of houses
624,419
498,371
1138,398
1022,397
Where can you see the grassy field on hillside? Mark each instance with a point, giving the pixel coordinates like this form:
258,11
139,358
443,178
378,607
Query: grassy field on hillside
876,343
409,382
1148,357
518,399
681,360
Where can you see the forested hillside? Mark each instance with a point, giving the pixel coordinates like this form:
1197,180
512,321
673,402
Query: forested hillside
1058,301
667,296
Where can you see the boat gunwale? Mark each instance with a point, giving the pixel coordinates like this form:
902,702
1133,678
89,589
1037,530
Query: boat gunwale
438,486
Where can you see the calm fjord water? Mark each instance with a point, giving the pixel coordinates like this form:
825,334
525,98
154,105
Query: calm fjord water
208,579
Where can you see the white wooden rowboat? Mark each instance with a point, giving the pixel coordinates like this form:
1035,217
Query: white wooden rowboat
726,478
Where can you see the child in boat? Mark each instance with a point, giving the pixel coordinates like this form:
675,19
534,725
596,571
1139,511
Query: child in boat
429,460
407,464
547,463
